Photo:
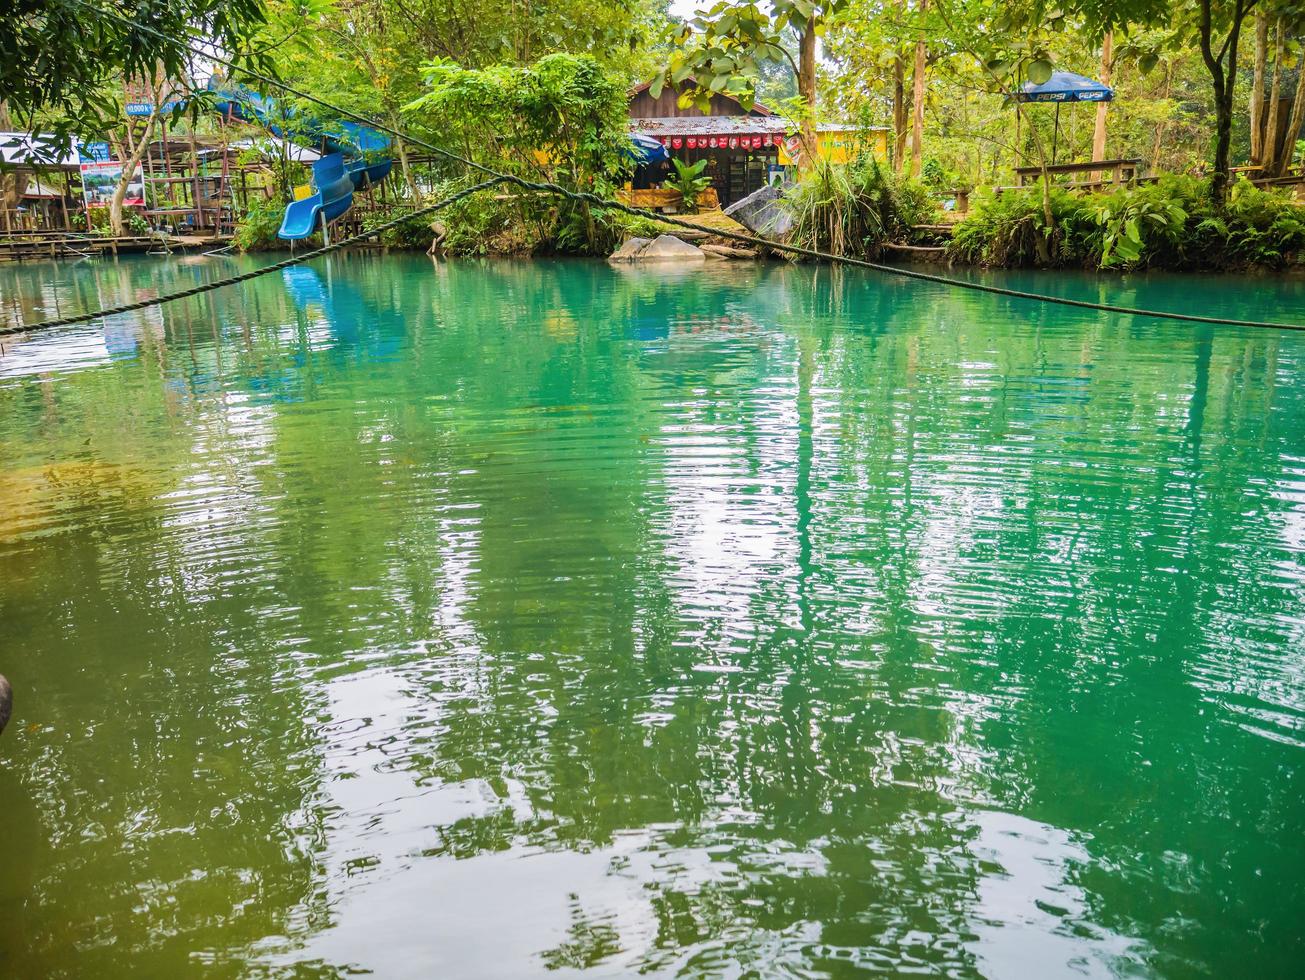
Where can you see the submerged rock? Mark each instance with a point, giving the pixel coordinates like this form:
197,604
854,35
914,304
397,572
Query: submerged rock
762,213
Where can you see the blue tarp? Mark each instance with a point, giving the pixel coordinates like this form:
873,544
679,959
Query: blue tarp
1065,86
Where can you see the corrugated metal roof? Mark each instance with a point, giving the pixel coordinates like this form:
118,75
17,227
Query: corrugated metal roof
733,126
710,126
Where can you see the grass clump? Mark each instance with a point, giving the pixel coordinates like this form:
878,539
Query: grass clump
853,209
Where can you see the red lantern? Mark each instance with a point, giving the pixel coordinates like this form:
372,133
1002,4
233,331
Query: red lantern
734,142
712,142
692,142
756,142
677,141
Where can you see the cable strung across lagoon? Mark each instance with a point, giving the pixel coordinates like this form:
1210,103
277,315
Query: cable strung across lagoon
545,187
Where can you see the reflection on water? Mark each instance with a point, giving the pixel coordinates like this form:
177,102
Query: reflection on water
500,619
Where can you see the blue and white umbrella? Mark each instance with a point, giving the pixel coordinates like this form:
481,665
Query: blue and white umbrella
1064,86
647,150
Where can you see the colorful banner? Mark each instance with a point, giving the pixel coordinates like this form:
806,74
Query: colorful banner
100,179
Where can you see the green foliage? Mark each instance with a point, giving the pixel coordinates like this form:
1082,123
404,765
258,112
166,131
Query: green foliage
1010,228
562,120
852,209
1171,223
722,51
58,58
411,233
137,224
510,223
256,230
689,181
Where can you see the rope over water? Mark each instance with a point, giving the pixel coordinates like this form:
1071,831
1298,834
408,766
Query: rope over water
544,187
69,321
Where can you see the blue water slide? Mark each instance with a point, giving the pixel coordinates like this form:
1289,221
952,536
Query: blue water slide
334,196
354,155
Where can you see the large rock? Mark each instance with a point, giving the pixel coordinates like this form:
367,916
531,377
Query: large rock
630,251
668,248
762,213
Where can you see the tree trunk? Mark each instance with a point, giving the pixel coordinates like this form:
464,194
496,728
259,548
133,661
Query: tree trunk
807,91
899,99
1163,124
116,223
1222,80
1288,154
1257,86
404,166
917,96
1099,130
1269,147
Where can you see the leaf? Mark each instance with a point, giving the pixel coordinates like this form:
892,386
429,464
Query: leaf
1040,71
1148,62
655,88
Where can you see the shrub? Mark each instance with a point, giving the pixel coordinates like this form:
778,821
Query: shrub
1010,229
256,230
410,233
690,182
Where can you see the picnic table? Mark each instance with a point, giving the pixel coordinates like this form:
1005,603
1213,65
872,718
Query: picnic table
1119,171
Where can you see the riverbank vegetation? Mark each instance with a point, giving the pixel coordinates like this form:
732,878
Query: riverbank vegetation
1208,96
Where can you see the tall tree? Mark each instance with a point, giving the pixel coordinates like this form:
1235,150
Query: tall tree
59,58
130,149
917,93
1257,85
899,97
1099,126
719,52
1217,26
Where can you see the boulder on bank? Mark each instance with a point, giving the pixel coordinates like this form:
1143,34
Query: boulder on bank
663,248
762,213
630,250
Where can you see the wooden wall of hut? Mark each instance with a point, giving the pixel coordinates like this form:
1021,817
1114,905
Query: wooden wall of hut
666,105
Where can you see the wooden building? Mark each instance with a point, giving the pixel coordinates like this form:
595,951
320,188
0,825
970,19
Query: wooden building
744,148
741,146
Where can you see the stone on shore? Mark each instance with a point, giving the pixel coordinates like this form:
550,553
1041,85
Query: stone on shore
663,248
629,250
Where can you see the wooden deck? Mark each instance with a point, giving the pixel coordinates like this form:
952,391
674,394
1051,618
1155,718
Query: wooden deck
21,245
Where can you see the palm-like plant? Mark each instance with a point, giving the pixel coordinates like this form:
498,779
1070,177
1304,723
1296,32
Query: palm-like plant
690,182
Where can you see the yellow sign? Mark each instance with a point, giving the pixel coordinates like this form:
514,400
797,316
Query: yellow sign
837,145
